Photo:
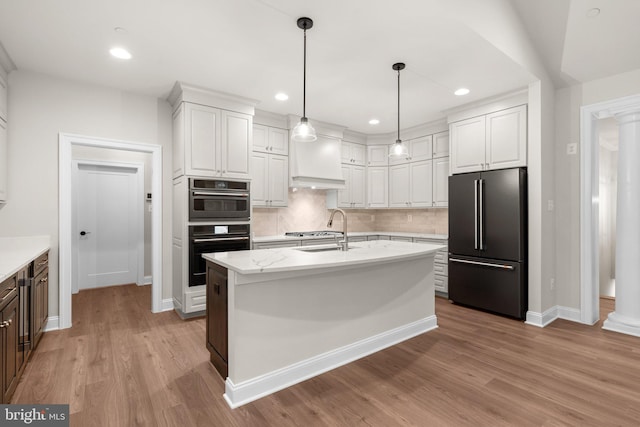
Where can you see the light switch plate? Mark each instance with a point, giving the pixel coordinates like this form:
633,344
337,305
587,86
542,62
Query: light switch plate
572,148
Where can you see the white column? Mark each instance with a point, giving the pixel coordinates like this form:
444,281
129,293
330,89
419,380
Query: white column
626,317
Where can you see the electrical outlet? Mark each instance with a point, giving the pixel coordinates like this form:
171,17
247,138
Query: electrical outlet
409,218
572,148
552,283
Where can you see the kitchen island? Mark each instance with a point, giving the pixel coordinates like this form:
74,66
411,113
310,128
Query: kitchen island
276,317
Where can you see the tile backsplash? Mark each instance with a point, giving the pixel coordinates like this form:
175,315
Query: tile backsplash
308,211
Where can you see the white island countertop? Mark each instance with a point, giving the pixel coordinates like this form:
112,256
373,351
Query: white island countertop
283,238
17,252
307,258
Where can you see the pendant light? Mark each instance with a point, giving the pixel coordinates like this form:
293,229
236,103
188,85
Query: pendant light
303,130
398,149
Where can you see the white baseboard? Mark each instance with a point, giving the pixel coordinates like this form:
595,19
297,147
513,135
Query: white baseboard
53,324
147,281
556,312
247,391
167,304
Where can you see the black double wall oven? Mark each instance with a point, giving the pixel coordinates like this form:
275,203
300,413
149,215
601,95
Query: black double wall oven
219,215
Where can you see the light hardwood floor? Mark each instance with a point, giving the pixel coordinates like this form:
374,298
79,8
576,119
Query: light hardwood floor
120,365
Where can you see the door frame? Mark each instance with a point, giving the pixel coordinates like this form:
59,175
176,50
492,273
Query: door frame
66,142
589,200
139,172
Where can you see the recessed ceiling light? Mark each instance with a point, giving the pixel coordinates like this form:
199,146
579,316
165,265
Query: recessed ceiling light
461,91
281,96
120,53
593,12
374,121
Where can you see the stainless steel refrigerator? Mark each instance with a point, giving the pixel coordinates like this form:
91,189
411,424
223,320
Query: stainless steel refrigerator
488,240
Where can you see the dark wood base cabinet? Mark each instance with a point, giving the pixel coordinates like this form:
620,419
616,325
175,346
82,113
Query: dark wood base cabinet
24,308
217,312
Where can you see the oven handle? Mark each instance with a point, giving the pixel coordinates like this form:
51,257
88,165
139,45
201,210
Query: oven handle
204,193
220,239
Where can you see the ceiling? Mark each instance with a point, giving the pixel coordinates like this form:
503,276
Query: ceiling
253,48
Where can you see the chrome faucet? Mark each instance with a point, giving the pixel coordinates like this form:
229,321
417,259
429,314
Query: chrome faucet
344,244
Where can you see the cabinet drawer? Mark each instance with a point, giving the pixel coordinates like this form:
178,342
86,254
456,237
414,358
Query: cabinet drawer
269,245
441,257
441,283
441,269
8,290
401,239
40,263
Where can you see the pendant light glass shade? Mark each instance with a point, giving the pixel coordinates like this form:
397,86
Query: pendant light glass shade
303,131
399,149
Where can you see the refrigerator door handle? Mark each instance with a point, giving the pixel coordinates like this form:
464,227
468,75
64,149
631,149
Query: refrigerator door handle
484,264
475,216
481,209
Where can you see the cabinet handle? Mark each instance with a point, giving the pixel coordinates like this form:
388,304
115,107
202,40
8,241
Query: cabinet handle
44,280
13,290
40,264
3,325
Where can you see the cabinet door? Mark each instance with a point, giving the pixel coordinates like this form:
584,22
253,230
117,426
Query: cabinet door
202,134
420,148
378,187
344,196
468,145
3,161
399,186
506,145
177,146
441,145
378,155
260,138
420,181
358,154
259,179
9,334
278,180
236,144
278,141
441,181
345,152
358,188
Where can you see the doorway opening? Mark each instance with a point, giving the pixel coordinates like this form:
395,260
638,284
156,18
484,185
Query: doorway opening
67,142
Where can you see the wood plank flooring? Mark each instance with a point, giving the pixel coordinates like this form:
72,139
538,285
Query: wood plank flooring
120,365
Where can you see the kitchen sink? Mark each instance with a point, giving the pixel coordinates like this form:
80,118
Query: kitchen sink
321,248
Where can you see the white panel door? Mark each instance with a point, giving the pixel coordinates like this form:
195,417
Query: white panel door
278,180
278,141
420,148
358,188
378,155
421,184
108,212
236,144
260,138
506,145
467,145
359,154
441,145
4,164
441,181
378,187
202,134
259,178
399,186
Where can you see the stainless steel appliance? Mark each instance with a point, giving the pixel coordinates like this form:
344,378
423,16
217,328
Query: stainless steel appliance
488,240
215,200
214,238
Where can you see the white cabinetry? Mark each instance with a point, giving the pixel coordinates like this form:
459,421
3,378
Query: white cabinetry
3,98
441,145
211,142
493,141
353,154
353,196
270,140
377,155
441,182
270,180
3,161
410,185
378,187
440,265
419,149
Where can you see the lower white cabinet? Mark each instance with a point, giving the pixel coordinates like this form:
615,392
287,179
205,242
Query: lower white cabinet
270,180
410,185
4,164
378,187
440,265
270,245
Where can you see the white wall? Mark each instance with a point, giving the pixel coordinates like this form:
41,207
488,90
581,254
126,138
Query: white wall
40,107
569,101
105,154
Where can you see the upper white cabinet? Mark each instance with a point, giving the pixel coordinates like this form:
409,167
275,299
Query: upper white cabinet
493,141
353,154
441,182
354,193
441,145
377,155
378,187
3,161
211,142
270,180
410,185
3,99
272,140
419,149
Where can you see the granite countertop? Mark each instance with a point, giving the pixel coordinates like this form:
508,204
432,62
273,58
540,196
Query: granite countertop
295,259
283,238
17,252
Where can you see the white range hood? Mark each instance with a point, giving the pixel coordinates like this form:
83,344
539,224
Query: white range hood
316,164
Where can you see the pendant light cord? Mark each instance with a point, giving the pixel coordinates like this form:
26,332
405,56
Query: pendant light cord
304,76
398,140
